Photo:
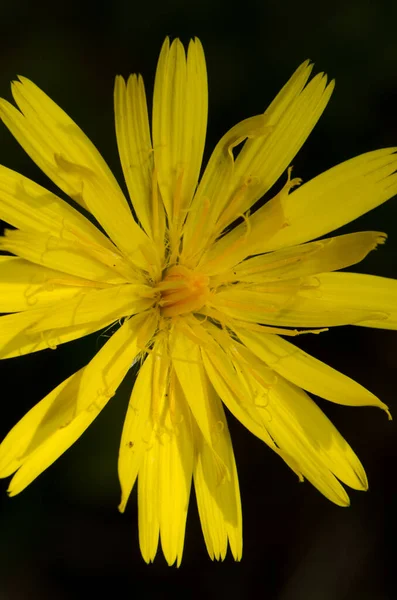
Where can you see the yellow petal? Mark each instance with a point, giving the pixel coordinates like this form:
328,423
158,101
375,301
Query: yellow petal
34,210
310,466
64,153
213,191
24,285
164,457
114,302
292,116
139,422
190,371
175,473
272,141
30,207
225,375
358,292
109,366
218,502
325,203
180,105
233,381
137,160
334,198
305,371
38,329
58,254
186,360
228,386
149,502
56,422
16,339
301,428
326,299
137,430
322,256
134,144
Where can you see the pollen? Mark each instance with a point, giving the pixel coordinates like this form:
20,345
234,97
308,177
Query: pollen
182,291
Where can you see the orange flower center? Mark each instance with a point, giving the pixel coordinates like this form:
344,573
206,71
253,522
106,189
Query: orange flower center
182,291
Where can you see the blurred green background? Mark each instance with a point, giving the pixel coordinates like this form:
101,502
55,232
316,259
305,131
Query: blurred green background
63,538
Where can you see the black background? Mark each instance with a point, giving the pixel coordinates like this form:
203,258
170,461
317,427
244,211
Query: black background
63,537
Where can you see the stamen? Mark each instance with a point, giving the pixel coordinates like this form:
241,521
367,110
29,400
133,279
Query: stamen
198,232
155,206
159,378
44,335
175,221
234,204
234,324
76,282
182,291
108,257
245,306
229,250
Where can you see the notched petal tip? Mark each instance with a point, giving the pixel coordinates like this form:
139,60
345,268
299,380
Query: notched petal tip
119,79
362,478
331,86
387,411
380,240
10,492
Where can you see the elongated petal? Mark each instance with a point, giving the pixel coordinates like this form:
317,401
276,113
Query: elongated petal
213,190
318,207
230,378
34,210
218,502
309,464
326,299
17,340
272,141
137,431
227,385
144,408
38,329
59,134
189,369
54,424
307,372
300,432
135,145
157,441
57,254
301,428
180,105
224,375
291,117
175,473
186,359
24,285
107,369
307,259
149,490
114,302
333,198
65,154
30,207
355,291
149,502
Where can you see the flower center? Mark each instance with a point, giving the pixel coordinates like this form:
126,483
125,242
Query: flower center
182,291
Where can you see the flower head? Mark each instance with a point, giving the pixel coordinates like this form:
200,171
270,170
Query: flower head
203,289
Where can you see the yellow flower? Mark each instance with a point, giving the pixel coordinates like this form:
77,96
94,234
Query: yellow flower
201,305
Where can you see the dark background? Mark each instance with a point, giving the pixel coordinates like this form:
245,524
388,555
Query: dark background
63,537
